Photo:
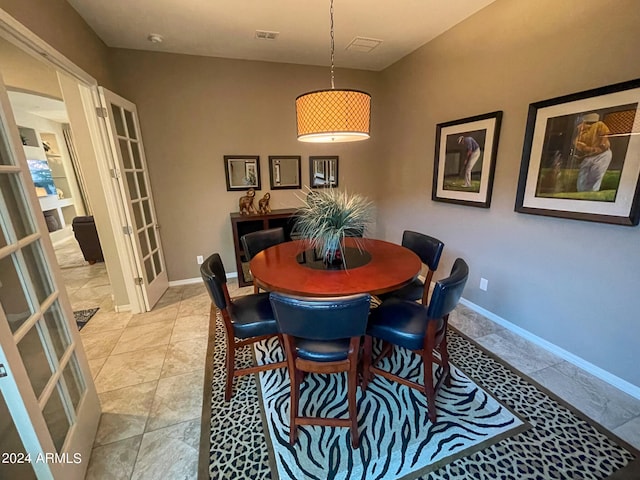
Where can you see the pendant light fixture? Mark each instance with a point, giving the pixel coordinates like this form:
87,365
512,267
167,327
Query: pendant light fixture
326,116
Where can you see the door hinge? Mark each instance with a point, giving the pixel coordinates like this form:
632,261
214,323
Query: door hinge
138,280
101,112
115,173
3,371
127,230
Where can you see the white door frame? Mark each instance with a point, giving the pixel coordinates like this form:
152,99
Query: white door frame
18,34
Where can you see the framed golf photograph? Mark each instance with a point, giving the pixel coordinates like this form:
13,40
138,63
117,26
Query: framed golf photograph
581,156
465,160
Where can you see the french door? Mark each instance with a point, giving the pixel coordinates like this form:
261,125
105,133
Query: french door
49,408
133,179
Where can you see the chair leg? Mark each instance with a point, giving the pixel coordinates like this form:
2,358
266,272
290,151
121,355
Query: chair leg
387,350
284,350
366,362
353,411
444,355
231,354
429,389
427,361
294,378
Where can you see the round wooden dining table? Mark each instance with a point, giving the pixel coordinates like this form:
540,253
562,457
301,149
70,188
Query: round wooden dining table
375,267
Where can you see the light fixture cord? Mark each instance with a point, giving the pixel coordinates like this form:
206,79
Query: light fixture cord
332,47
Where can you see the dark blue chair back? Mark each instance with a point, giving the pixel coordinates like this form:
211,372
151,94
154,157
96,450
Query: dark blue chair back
254,242
447,292
429,249
321,318
214,277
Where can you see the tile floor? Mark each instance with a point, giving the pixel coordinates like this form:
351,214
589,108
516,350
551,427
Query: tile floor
605,404
149,369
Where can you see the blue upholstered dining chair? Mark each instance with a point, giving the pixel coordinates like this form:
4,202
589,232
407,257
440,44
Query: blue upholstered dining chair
254,242
322,335
429,249
419,328
247,319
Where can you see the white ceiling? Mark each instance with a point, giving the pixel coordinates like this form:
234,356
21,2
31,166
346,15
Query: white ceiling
227,28
44,107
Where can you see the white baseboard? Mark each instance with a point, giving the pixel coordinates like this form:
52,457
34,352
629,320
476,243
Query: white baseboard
186,281
594,370
191,281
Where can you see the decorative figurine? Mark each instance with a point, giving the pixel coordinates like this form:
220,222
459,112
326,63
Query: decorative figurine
263,204
246,203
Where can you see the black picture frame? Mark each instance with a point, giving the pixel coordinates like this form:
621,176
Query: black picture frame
323,171
276,175
471,141
581,156
242,172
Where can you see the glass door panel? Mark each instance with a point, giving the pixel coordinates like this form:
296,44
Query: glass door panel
131,129
74,382
12,297
36,266
144,244
56,417
57,328
142,188
35,360
126,157
11,445
137,158
15,203
131,183
117,119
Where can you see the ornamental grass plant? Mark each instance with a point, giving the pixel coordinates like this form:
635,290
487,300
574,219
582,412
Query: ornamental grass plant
328,216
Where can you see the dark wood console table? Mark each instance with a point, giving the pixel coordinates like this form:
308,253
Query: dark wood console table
243,224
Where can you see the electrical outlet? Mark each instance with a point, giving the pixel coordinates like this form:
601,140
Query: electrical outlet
200,259
484,283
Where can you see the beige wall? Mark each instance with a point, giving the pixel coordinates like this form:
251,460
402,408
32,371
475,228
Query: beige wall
58,24
23,72
193,110
572,283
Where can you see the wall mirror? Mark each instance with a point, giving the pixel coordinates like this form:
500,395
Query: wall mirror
324,172
284,171
242,172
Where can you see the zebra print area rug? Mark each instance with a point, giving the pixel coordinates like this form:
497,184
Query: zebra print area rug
396,437
558,443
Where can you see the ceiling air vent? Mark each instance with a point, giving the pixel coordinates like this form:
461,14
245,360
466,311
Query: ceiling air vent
363,44
266,35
